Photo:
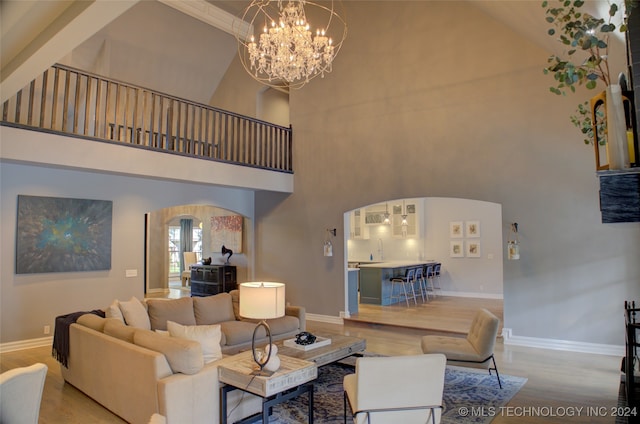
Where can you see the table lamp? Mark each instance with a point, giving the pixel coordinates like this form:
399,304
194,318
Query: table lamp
261,300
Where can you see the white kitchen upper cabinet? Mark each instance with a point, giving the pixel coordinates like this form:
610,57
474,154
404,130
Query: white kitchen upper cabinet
409,229
358,229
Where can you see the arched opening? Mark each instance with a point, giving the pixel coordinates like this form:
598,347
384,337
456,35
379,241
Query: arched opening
464,235
162,263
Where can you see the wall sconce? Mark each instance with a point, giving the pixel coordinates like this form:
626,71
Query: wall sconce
513,248
328,247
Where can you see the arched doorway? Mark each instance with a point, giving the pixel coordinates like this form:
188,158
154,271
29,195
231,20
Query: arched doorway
161,261
475,270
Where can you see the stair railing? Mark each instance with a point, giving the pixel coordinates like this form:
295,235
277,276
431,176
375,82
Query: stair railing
70,101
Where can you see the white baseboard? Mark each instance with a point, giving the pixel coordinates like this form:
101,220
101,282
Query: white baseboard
324,318
26,344
568,345
507,333
473,294
156,291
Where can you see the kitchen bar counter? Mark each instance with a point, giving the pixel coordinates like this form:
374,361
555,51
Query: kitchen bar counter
375,284
397,264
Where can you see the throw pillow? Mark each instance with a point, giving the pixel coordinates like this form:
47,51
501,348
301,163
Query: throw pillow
116,328
184,356
135,314
176,310
113,311
207,335
213,309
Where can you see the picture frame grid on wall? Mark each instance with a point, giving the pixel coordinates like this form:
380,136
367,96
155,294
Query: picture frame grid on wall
473,248
472,229
456,229
456,248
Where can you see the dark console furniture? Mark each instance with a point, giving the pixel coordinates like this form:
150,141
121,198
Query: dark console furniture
207,280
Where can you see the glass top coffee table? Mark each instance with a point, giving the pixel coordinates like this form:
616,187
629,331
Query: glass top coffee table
340,347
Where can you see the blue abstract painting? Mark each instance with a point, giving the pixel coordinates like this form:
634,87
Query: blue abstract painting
62,235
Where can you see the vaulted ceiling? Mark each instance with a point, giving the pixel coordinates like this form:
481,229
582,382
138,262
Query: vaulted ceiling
182,48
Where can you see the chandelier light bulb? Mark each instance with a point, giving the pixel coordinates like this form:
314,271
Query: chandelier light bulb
289,54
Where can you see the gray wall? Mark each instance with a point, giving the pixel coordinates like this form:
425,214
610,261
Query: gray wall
435,99
29,302
451,104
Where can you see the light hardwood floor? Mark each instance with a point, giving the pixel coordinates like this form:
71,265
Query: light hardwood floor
556,379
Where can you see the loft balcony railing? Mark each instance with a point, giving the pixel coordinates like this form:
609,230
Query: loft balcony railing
73,102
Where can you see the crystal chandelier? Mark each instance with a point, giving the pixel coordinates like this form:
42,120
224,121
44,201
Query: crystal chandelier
287,54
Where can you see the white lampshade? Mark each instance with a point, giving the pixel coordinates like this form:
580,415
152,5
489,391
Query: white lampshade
262,300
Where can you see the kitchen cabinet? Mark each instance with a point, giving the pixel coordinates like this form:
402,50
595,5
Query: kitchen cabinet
357,228
412,211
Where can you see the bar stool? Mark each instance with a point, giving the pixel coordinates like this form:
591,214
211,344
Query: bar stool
404,282
429,273
436,277
422,284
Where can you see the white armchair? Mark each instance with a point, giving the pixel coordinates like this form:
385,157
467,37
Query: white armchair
396,389
475,350
21,393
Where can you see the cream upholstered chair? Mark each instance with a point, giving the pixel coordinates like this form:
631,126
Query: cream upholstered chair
21,393
190,258
396,389
157,419
476,350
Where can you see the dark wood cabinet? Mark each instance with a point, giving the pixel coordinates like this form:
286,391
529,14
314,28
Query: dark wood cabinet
207,280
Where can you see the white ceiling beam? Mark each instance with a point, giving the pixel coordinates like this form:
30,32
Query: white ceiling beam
80,20
212,15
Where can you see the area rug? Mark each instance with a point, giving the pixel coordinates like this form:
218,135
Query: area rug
470,396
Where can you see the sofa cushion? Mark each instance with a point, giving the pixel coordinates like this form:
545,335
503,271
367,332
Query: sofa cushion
113,311
176,310
213,309
92,321
135,314
235,299
115,328
184,356
207,335
238,332
283,324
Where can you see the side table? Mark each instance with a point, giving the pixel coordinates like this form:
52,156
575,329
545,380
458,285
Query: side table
294,378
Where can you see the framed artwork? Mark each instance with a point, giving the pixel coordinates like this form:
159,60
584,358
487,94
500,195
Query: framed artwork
226,231
56,234
456,249
473,249
455,229
473,229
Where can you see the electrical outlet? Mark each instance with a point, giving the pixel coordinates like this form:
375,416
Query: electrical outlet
131,273
47,329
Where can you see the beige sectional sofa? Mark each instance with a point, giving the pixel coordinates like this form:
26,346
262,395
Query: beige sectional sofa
136,372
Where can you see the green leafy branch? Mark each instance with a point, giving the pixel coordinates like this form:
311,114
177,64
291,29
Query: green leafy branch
584,33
